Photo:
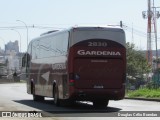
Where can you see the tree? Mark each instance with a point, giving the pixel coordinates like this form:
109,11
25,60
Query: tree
136,62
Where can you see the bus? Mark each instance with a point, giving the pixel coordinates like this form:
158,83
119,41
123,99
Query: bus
77,64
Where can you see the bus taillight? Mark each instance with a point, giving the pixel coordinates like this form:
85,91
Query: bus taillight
71,86
71,82
71,79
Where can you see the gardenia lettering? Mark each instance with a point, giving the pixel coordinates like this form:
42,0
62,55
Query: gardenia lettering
113,53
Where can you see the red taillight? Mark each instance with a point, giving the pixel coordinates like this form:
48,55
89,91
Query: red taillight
71,86
71,82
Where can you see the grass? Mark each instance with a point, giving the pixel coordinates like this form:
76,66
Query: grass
144,93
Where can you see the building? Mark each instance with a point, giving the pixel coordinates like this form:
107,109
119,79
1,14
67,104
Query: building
12,57
12,46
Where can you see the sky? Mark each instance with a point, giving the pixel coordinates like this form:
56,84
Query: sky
44,15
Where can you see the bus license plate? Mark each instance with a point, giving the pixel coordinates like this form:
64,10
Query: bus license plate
98,86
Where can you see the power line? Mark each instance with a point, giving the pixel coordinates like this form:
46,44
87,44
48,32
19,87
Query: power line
138,32
30,26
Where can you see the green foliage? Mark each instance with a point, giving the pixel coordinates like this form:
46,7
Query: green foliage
136,62
145,93
152,85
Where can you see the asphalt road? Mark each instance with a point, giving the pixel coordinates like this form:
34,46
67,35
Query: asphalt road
13,97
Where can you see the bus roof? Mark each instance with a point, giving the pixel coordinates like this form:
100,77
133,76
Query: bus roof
112,28
88,27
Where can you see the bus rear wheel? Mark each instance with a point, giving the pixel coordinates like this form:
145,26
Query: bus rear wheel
100,103
56,97
38,98
35,97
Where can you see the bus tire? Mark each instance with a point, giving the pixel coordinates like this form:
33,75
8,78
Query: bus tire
32,88
67,103
38,98
35,97
100,103
56,96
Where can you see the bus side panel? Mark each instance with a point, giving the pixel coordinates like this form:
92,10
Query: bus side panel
48,64
45,75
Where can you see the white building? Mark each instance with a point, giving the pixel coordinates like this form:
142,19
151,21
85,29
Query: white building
13,62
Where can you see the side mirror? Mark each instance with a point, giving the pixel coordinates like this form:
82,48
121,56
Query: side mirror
25,60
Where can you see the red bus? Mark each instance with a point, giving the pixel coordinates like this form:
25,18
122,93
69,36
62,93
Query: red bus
78,64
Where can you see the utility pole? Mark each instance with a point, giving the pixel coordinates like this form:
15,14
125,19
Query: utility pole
152,15
121,24
148,15
132,34
156,16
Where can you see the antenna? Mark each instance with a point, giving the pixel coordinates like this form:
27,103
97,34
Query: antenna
152,15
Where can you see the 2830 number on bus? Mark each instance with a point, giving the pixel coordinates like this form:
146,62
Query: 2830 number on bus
97,44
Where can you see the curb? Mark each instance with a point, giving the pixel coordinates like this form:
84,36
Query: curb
144,99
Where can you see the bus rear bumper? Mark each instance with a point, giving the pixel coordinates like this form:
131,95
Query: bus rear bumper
92,94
